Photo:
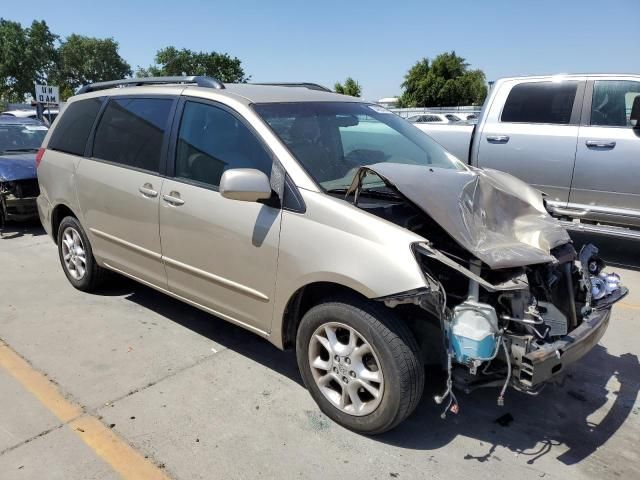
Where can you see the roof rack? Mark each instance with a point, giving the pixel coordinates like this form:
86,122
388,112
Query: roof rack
200,81
310,86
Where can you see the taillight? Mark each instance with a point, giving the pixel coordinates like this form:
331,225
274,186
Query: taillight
39,156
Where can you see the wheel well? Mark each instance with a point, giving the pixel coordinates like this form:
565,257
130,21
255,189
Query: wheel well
424,326
305,298
59,213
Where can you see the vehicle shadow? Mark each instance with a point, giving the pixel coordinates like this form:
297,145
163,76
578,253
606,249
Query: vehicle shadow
595,399
597,395
19,229
216,329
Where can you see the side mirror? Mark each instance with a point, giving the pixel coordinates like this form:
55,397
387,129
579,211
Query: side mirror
635,112
245,184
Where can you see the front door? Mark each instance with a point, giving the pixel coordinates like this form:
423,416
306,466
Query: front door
218,253
605,182
119,186
534,136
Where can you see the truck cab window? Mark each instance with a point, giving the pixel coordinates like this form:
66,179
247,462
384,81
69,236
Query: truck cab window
540,102
612,101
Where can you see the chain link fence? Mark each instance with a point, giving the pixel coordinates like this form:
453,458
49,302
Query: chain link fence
408,112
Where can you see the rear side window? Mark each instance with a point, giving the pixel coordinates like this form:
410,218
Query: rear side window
612,102
541,102
73,128
131,130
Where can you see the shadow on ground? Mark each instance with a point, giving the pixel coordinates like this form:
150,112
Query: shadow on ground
14,229
572,414
561,414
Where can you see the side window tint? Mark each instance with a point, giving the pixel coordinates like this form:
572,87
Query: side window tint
130,132
612,102
73,128
211,140
540,102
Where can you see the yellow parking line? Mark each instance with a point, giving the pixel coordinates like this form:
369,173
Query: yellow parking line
39,386
101,439
116,452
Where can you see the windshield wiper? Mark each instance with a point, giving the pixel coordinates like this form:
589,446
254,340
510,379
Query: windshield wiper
20,150
337,190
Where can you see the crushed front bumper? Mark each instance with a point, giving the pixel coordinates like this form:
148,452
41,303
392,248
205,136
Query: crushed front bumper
550,360
20,209
18,200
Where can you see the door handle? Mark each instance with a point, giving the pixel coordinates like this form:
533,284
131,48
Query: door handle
173,198
600,144
148,191
497,138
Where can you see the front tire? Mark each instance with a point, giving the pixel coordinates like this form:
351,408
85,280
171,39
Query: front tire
361,364
76,256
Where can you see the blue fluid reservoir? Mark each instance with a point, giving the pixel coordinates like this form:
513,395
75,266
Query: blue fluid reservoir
473,331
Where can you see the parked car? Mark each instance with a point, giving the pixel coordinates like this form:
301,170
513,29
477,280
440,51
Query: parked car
48,115
574,137
326,224
436,118
20,139
462,116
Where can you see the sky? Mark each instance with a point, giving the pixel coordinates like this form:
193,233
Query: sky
373,41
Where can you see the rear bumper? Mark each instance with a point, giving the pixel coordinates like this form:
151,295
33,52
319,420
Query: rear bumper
550,360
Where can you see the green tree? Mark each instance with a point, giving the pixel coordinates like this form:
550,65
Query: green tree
446,81
170,61
27,56
350,87
83,60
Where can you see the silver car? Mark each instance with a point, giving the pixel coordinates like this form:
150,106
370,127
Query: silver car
326,224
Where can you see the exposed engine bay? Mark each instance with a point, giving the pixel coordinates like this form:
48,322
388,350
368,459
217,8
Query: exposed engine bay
514,301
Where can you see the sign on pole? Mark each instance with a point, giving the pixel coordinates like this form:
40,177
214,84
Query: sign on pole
47,94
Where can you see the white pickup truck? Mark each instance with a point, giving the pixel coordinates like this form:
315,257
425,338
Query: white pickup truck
574,137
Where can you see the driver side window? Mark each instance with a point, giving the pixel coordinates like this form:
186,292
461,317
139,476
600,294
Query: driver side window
212,140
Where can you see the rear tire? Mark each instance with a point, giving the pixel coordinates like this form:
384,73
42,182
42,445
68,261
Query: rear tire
76,256
368,393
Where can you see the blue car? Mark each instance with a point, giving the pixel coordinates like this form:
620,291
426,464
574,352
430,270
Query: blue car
20,139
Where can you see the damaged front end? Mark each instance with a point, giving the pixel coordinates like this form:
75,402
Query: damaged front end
514,301
18,200
527,329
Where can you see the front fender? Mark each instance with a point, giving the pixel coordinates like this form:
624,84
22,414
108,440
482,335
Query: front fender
338,243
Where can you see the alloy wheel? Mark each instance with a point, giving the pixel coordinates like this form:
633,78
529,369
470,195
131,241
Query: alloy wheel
74,253
346,369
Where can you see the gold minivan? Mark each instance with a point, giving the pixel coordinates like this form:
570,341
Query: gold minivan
326,224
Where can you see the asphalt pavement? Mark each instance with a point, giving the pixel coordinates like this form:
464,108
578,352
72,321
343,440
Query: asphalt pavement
101,386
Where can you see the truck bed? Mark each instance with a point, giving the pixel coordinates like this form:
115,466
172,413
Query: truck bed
454,138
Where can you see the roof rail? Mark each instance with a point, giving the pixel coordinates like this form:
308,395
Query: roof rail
200,81
310,86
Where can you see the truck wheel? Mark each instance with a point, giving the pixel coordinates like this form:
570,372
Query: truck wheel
76,256
360,363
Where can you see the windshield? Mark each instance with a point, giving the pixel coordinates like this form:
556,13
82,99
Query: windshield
21,138
333,139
